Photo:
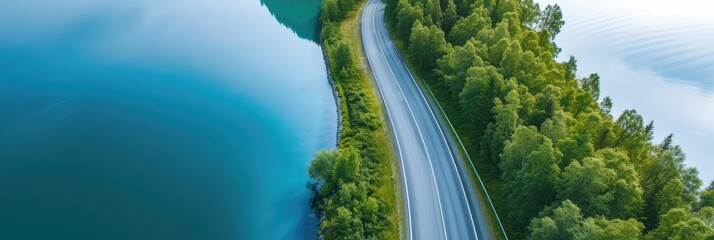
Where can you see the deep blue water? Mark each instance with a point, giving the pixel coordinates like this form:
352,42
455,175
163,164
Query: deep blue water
165,119
655,57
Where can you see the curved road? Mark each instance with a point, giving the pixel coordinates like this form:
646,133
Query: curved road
440,199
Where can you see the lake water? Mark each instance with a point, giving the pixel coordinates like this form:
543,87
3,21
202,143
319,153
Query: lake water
653,56
165,119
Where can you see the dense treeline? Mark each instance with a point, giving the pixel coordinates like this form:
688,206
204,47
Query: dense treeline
352,185
564,166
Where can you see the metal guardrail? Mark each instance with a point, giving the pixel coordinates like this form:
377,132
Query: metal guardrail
503,230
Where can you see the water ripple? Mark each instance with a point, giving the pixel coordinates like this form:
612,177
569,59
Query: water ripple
675,46
664,50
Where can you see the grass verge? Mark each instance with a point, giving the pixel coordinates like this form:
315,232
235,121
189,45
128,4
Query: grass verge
359,98
390,189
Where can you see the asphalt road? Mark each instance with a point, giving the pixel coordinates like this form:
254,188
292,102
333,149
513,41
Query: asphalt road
438,188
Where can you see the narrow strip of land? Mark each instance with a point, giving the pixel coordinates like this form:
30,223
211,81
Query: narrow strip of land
441,201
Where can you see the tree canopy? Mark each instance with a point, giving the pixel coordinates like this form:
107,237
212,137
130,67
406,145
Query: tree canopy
426,45
545,136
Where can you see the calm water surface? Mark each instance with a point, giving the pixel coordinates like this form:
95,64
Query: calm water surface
164,119
653,56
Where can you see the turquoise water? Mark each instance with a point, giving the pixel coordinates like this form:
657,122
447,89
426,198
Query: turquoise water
166,119
653,56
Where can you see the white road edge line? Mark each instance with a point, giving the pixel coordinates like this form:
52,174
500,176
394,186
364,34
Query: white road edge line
446,143
470,161
462,147
431,166
451,153
396,138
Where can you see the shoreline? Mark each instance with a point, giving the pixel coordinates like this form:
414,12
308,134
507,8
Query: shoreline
335,94
361,132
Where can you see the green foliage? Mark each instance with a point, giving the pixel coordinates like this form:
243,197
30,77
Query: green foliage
426,45
391,11
680,224
606,105
632,134
350,183
432,12
627,200
450,16
347,5
483,84
570,67
523,66
667,182
343,226
545,136
497,132
341,194
587,184
566,222
707,196
341,57
556,128
530,168
670,196
321,166
547,102
591,84
330,11
529,12
347,165
577,101
334,10
563,223
603,185
456,62
600,228
551,19
575,147
503,8
467,28
407,15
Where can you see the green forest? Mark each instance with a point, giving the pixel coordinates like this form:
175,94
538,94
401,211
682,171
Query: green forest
559,164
